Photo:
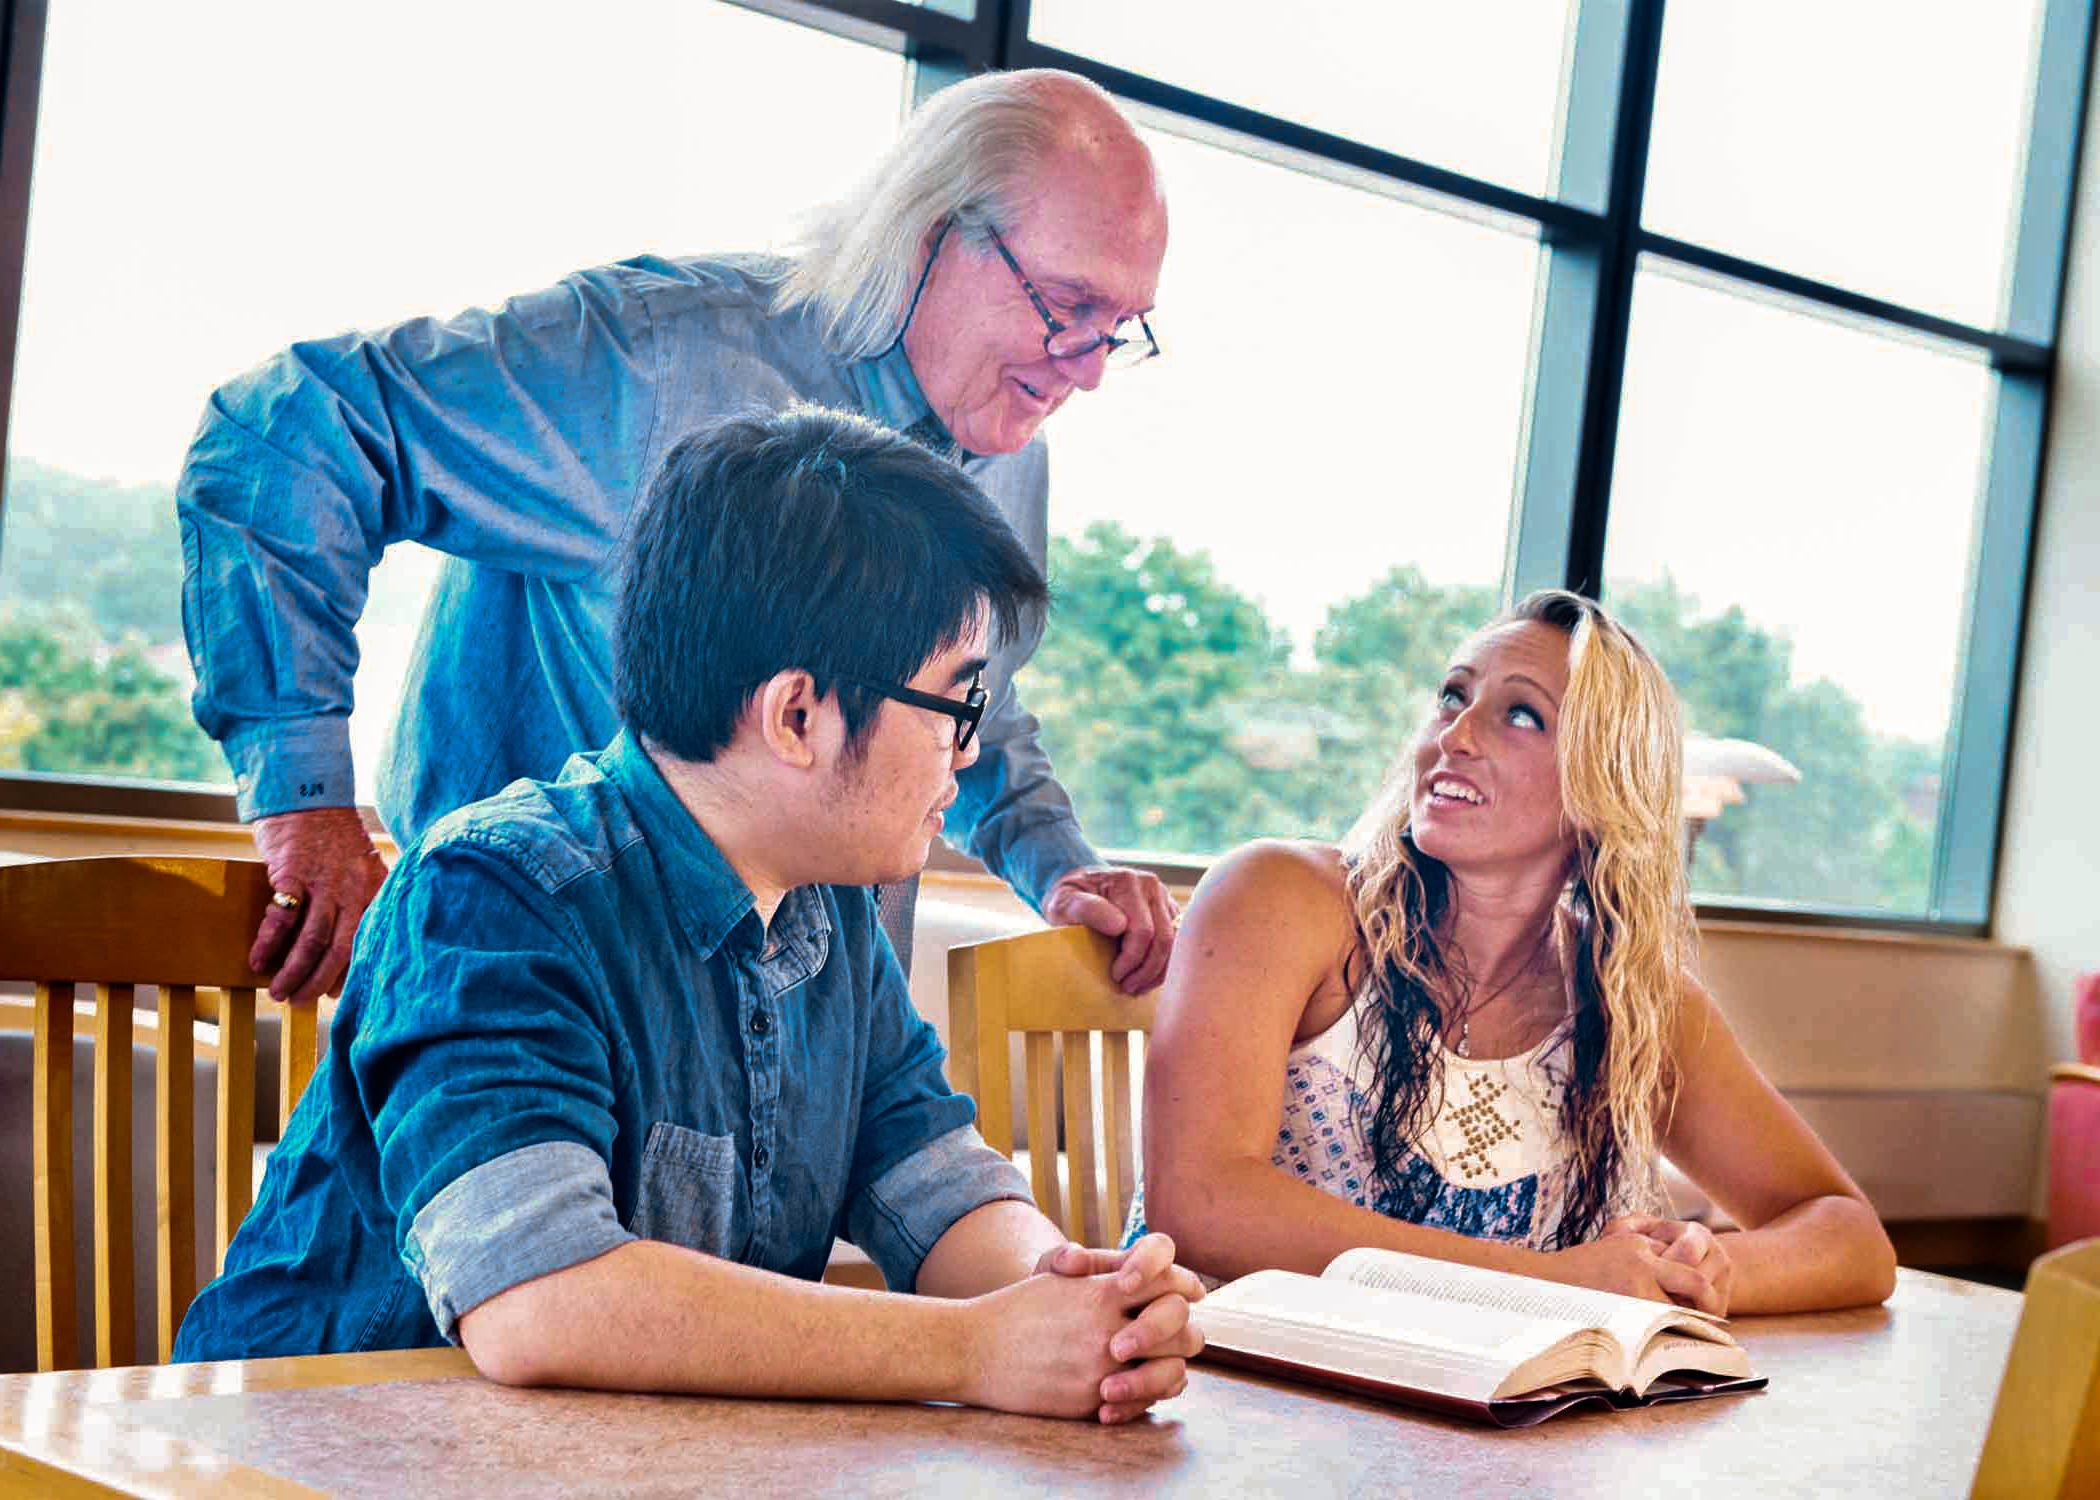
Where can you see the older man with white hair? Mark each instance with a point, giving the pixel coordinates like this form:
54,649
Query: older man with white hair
1002,255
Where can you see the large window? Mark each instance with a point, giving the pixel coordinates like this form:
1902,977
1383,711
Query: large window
1472,87
1245,618
308,170
1784,302
1807,594
1874,144
1739,316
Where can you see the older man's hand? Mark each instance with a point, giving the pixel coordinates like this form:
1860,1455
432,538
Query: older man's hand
325,859
1130,905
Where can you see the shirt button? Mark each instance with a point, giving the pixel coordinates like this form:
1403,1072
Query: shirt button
761,1022
759,1158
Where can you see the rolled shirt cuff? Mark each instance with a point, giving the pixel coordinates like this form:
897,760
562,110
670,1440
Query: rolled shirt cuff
898,1218
529,1213
291,765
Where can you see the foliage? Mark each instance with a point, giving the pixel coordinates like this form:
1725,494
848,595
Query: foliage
1858,828
1380,657
110,548
1143,675
1180,723
1179,717
71,704
90,608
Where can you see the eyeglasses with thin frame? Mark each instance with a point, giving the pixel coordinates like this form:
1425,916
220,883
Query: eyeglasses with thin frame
966,711
1062,341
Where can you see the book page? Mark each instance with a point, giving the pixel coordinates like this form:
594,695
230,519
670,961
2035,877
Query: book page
1630,1321
1677,1351
1426,1342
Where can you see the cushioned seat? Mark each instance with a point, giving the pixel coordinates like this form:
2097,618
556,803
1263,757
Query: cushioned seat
2074,1128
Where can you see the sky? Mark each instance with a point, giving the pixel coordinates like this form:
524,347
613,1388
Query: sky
1345,374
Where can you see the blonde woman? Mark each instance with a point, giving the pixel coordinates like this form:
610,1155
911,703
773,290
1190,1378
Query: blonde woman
1473,1033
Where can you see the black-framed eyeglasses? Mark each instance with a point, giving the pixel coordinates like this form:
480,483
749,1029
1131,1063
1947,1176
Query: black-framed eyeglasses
1062,341
966,711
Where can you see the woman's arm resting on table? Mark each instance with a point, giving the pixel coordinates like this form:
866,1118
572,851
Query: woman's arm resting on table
1260,960
1810,1240
649,1316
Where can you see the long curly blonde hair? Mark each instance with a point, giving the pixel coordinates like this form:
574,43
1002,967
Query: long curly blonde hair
1623,928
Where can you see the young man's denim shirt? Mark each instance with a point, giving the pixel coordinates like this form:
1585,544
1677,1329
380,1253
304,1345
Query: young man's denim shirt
519,443
565,1030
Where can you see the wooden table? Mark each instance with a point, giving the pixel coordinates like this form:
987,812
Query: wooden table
1892,1401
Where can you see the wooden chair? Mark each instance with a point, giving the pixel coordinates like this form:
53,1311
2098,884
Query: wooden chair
183,926
2044,1438
1053,989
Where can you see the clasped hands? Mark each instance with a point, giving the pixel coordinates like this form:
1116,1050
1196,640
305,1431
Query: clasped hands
1664,1260
1092,1333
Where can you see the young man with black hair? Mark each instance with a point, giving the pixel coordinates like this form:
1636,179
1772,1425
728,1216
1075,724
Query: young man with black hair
622,1052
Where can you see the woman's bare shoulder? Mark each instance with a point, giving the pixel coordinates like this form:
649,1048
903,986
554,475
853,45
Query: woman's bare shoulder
1265,935
1300,869
1288,898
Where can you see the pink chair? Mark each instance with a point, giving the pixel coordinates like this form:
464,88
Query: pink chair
2074,1129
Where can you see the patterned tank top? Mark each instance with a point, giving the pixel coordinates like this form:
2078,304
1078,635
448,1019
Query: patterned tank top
1493,1163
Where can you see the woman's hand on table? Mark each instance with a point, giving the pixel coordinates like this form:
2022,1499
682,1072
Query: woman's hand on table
1669,1264
1687,1242
1094,1333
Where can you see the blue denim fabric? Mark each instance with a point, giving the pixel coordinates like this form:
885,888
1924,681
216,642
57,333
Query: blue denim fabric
566,1028
518,442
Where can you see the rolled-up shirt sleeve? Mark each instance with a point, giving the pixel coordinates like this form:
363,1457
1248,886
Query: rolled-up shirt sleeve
489,1082
529,1213
899,1217
919,1164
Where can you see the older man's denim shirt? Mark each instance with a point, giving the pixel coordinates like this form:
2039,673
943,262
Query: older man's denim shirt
519,443
567,1029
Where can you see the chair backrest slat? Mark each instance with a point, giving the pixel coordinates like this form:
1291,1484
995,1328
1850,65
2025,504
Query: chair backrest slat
298,1035
1053,989
1115,1109
979,1063
116,1306
236,1158
174,1161
1041,1075
57,1333
1082,1199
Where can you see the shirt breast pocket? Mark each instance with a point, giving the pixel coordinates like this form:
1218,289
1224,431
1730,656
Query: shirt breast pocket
692,1192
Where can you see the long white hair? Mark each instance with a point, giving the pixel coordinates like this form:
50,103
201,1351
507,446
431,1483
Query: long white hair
965,155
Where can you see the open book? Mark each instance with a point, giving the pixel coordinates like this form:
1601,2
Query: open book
1511,1350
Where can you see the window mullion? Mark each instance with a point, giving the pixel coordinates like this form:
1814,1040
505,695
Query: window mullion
21,67
1987,678
1584,299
